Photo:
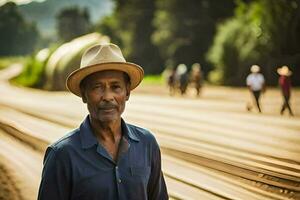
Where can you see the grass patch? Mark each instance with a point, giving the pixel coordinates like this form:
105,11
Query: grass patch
153,80
32,74
7,61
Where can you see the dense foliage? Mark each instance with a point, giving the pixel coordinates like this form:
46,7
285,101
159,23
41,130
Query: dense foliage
72,22
17,37
225,37
261,32
249,32
185,29
44,12
159,33
131,27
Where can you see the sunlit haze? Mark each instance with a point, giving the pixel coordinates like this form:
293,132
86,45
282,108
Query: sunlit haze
19,1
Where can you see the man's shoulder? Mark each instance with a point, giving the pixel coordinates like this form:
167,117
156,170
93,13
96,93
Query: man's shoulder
68,140
142,133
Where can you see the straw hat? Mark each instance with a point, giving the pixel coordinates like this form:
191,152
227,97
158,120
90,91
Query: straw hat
284,71
103,57
255,68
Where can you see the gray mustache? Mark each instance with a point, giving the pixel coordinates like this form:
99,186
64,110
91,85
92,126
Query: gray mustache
107,106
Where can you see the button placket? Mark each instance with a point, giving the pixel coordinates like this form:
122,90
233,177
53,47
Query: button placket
118,178
118,181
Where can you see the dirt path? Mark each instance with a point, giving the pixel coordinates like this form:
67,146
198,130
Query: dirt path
8,187
215,121
20,169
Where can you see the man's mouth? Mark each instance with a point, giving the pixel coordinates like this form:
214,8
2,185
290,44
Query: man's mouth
107,108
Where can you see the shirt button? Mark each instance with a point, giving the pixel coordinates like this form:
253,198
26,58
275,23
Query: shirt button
116,167
119,181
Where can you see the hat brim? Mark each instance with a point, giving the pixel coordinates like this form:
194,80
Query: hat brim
135,73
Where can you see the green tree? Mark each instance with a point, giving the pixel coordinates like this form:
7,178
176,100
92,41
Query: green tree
72,22
130,26
143,50
17,36
109,26
261,32
185,29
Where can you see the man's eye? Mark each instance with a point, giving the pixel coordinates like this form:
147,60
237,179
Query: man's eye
97,86
116,86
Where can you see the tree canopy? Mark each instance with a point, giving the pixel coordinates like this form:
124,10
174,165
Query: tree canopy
185,29
224,36
155,33
134,26
17,37
72,22
261,32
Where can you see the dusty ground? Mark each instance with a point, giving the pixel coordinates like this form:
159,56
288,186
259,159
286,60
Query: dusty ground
218,109
19,175
8,187
238,97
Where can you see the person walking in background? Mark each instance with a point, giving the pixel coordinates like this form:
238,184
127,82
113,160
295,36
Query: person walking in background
171,78
285,86
256,84
182,74
196,77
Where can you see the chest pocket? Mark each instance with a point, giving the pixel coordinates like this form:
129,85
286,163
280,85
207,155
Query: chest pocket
138,175
140,171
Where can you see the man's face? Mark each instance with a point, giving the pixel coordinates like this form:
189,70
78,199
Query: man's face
105,94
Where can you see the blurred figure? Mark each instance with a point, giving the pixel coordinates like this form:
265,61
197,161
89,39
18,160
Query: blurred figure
169,75
181,73
285,85
196,77
256,84
171,79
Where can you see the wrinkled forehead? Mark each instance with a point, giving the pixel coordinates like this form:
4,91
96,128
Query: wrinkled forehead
104,76
107,74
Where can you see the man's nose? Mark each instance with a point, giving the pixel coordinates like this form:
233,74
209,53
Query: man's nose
107,95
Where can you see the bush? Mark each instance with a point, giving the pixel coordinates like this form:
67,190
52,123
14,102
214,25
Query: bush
153,80
33,74
7,61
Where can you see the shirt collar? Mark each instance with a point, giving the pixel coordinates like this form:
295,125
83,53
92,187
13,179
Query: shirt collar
128,132
88,139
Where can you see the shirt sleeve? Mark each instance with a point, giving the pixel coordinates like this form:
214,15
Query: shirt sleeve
157,189
262,79
55,182
248,80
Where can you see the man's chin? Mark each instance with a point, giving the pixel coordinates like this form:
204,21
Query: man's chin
108,119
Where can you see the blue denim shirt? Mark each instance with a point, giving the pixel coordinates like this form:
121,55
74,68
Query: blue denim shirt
77,167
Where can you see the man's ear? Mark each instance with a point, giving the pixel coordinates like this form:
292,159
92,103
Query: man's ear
83,97
127,92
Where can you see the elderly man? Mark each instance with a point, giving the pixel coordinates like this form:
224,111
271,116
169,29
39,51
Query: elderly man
105,158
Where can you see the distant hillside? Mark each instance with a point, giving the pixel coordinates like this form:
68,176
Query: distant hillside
44,13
